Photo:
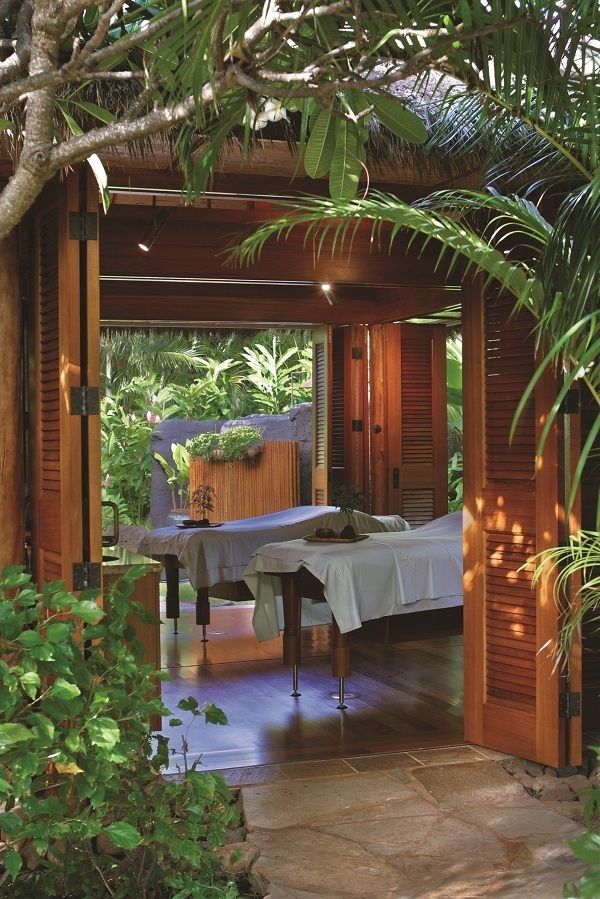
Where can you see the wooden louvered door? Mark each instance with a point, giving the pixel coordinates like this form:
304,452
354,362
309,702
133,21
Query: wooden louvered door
64,328
321,425
511,512
407,421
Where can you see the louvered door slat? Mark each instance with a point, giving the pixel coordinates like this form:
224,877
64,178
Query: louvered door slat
511,689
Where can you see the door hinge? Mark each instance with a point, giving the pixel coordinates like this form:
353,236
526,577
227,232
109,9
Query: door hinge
570,404
83,225
85,401
569,705
86,576
357,424
357,352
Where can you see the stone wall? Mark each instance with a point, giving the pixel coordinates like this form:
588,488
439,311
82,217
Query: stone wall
293,425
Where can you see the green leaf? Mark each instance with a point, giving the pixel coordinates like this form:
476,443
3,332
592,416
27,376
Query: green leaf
104,732
399,120
30,681
124,835
12,862
58,632
214,715
320,146
13,733
6,125
88,611
63,690
345,165
175,722
29,638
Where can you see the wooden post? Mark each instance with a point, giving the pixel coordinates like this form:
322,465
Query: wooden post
12,486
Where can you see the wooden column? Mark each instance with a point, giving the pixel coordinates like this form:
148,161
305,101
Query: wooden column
12,490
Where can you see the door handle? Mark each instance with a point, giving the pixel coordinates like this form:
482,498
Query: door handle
108,540
396,478
376,429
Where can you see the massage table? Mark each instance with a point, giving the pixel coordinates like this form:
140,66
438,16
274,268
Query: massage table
386,574
218,556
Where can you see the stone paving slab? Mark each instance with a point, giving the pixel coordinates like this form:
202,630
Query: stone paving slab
318,862
468,783
460,830
307,801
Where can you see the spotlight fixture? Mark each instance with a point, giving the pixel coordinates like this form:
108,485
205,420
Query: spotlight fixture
159,220
327,290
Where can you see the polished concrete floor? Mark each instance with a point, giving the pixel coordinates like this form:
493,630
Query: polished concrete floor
408,695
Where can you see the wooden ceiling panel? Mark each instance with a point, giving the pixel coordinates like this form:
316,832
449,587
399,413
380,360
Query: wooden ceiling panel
194,243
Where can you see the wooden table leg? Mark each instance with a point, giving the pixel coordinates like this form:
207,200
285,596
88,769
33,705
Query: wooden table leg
202,610
291,627
172,575
340,659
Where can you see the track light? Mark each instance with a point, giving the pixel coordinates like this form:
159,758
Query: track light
159,220
327,290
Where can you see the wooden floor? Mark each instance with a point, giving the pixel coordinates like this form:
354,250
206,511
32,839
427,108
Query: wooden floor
409,695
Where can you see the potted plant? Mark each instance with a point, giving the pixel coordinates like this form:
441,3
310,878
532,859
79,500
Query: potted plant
348,498
202,501
178,476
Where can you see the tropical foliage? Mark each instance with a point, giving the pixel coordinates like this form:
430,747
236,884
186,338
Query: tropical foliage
529,107
85,809
152,376
78,78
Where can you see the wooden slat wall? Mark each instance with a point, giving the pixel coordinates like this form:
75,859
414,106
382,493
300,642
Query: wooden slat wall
511,512
339,390
321,381
268,483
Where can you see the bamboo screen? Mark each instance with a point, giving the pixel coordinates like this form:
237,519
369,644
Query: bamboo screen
270,482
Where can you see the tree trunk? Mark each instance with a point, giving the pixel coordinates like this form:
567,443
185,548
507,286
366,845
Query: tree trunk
12,490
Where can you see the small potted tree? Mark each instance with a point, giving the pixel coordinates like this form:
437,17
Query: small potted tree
202,501
348,499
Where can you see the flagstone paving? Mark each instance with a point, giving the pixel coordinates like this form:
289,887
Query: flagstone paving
435,824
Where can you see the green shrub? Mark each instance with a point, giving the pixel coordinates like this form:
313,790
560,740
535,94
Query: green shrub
87,812
231,445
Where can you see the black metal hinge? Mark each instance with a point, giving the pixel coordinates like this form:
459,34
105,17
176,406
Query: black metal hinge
86,576
570,404
357,424
357,352
569,705
83,225
85,401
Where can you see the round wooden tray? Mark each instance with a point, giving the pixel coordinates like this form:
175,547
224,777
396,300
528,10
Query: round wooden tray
312,538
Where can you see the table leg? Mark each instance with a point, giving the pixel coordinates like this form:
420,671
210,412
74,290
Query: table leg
340,659
291,627
203,610
172,575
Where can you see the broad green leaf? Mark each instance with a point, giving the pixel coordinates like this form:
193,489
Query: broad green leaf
57,632
399,120
320,146
345,165
88,611
13,733
97,111
104,732
6,125
29,638
63,690
13,862
214,715
30,681
124,835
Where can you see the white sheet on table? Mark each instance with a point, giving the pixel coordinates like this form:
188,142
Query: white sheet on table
380,576
214,555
